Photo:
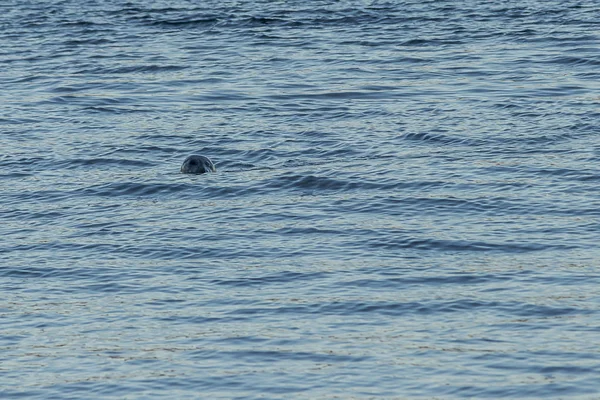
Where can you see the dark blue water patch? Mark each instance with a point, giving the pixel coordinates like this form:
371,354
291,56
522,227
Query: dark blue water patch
235,387
11,340
569,174
40,196
109,287
348,308
15,175
216,248
73,86
81,389
280,278
237,166
31,272
105,228
416,204
572,60
134,189
307,231
187,20
133,70
21,163
198,189
11,393
524,390
102,163
399,242
291,183
562,369
558,91
32,218
196,320
281,356
119,110
355,95
81,278
259,156
88,41
411,281
311,182
443,138
336,183
88,101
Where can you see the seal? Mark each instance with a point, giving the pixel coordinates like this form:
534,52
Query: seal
197,165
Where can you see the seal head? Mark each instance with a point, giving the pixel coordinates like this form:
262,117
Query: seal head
197,165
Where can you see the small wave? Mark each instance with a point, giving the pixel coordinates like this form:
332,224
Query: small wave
22,164
572,60
280,278
409,242
13,175
311,182
134,189
435,281
134,69
88,41
185,22
441,138
100,161
118,110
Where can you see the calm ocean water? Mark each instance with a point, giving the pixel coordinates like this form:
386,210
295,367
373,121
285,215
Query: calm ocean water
407,201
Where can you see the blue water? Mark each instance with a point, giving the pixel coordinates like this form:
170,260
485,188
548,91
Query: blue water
407,201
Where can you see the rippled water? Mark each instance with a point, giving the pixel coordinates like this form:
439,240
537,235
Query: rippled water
406,203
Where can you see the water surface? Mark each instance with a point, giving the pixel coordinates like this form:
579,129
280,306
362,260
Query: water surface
406,203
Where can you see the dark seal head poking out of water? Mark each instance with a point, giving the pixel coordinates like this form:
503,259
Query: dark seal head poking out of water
197,165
